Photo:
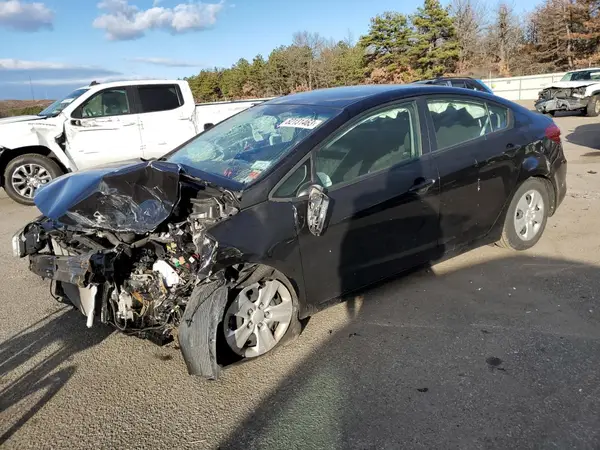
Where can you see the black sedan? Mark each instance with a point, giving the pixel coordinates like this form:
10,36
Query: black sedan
233,238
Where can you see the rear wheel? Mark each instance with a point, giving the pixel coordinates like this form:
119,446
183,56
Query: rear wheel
593,107
25,173
526,216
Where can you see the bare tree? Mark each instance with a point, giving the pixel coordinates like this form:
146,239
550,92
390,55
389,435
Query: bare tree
470,21
506,37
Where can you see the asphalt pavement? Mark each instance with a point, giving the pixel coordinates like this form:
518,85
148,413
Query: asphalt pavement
492,349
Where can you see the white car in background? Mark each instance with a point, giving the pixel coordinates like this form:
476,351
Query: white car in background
578,90
101,124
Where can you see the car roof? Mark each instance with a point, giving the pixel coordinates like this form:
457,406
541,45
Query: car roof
342,97
125,82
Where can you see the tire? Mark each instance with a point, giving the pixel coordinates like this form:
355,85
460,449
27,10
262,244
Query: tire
21,166
522,234
593,107
259,280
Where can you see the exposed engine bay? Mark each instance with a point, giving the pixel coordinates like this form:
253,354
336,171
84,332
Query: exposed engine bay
141,283
105,243
562,93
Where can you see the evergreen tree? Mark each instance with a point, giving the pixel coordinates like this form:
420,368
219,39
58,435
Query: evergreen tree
386,46
435,47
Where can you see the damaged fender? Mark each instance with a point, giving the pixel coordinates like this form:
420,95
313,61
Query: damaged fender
198,329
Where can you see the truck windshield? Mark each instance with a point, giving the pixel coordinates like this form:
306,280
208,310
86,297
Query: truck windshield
55,108
247,145
582,75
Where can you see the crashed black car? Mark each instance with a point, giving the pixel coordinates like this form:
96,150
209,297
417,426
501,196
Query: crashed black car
264,219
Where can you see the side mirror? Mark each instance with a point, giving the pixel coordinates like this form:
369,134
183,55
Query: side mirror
318,206
208,126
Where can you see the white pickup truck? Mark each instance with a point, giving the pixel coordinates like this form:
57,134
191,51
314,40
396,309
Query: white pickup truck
101,124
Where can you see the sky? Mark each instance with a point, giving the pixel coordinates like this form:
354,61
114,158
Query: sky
50,47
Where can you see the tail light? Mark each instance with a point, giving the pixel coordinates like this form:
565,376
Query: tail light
553,133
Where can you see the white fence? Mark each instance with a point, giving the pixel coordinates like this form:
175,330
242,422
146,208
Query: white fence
521,88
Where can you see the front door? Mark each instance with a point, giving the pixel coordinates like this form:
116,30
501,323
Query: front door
383,210
104,129
166,119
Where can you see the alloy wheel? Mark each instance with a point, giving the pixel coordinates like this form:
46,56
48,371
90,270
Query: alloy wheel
27,178
258,318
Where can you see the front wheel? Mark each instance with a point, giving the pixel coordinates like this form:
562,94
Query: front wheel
25,173
261,315
526,216
593,107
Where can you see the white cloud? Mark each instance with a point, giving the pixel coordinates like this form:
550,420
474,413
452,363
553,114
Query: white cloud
22,16
123,21
167,62
78,81
20,64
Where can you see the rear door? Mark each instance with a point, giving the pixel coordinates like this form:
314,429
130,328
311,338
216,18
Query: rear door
166,119
497,165
104,129
457,129
383,213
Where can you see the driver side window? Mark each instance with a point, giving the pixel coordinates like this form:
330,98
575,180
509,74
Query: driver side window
111,102
381,140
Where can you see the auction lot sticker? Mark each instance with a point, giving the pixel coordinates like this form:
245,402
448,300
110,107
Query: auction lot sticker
299,122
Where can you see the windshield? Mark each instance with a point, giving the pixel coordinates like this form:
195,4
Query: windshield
55,108
247,145
582,75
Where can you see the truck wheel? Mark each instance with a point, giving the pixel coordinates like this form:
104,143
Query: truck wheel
593,107
262,314
25,173
526,216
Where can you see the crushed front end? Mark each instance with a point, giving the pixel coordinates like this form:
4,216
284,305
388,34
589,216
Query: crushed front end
561,99
134,261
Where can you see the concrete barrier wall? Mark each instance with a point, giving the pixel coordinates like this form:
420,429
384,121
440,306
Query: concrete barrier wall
522,88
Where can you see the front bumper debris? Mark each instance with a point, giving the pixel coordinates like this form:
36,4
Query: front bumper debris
560,104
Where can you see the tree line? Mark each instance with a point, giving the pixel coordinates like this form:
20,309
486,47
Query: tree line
466,38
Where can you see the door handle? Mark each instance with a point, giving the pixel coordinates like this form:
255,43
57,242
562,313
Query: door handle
421,185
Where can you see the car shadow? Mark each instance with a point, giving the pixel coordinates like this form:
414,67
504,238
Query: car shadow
587,135
497,354
35,364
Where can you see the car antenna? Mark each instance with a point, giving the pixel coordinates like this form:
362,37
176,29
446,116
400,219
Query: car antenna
94,83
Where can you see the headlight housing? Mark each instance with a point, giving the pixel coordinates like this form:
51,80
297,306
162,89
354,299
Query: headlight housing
18,244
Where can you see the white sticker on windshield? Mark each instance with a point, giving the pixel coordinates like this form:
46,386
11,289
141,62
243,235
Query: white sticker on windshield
260,165
67,100
298,122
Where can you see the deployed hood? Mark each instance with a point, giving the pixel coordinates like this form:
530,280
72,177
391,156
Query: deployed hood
19,119
133,198
571,84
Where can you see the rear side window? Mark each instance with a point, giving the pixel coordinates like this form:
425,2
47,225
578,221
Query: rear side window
461,121
155,98
459,84
498,117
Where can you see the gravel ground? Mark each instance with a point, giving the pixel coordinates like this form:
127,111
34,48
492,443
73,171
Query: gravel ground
492,349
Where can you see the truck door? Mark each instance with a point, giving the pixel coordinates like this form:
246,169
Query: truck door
166,118
104,129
